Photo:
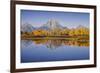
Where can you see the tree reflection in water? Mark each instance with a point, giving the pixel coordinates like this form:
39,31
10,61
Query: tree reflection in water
55,43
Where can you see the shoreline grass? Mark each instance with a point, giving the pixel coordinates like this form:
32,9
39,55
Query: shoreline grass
56,38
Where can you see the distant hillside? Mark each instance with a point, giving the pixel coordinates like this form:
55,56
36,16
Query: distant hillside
50,25
27,28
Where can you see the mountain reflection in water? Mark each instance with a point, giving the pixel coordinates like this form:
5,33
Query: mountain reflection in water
55,43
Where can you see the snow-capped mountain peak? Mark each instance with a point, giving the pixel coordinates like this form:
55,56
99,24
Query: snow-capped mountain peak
52,24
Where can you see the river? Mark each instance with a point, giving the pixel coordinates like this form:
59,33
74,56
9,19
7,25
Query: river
43,50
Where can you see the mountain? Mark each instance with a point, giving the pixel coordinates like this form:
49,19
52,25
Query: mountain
51,24
27,28
81,27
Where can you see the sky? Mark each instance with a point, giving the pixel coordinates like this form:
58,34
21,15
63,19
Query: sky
68,19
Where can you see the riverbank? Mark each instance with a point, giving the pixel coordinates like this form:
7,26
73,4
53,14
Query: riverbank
74,38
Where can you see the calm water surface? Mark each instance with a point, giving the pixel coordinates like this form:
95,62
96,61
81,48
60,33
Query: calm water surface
53,50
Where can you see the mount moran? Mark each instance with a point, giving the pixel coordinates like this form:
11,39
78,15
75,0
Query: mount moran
50,25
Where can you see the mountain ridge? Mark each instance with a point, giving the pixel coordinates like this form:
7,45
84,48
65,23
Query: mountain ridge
52,24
